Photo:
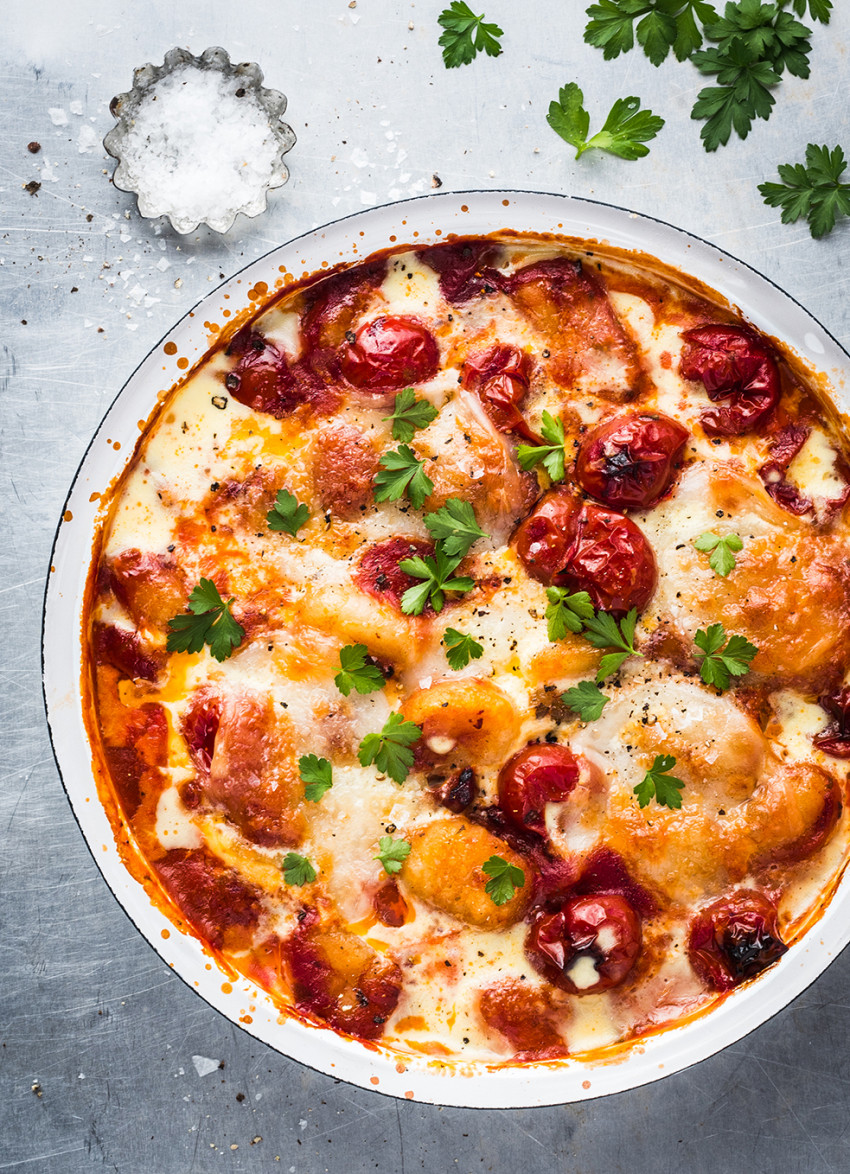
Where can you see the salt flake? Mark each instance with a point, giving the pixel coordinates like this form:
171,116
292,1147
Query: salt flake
204,1065
57,116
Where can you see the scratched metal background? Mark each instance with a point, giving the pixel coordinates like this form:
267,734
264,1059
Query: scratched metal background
103,1049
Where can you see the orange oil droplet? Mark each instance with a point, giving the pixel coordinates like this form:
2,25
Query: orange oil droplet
227,988
464,208
245,1019
409,1094
94,497
165,933
585,1084
504,204
67,516
182,364
170,348
116,444
374,1080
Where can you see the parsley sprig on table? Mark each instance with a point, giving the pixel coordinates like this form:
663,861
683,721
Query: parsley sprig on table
657,784
437,573
297,870
454,527
392,853
357,671
210,622
550,455
504,881
566,612
466,35
287,514
402,472
410,414
723,550
812,190
317,773
390,750
662,25
461,648
625,131
586,699
723,660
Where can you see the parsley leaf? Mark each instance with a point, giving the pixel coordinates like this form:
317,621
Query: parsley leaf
666,24
742,95
505,879
723,549
390,750
565,612
624,133
356,672
297,870
657,784
436,573
402,473
586,699
461,648
316,773
721,663
455,527
466,34
603,631
211,622
775,36
286,514
550,455
392,853
818,9
410,414
812,190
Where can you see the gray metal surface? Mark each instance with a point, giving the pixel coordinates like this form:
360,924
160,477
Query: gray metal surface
101,1046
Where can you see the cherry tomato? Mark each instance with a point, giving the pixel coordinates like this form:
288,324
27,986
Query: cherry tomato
630,462
733,364
390,907
123,650
265,381
465,269
835,739
457,791
500,377
331,305
587,548
200,726
536,776
387,354
603,928
734,939
784,447
379,574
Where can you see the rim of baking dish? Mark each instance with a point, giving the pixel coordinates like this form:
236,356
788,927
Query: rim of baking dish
416,223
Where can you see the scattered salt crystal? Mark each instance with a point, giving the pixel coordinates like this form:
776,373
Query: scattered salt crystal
57,116
87,140
137,294
204,1065
163,264
75,107
359,157
368,198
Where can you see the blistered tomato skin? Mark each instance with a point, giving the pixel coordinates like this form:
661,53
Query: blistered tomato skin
500,378
380,575
835,739
389,353
631,462
534,777
733,364
584,547
735,939
586,946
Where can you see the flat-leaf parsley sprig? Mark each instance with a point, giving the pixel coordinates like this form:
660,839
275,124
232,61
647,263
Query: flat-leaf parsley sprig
812,190
466,35
438,577
662,25
461,648
722,660
210,622
505,879
287,514
390,750
586,699
297,870
410,414
455,527
549,455
392,853
357,671
723,550
659,785
317,774
566,612
402,472
625,132
603,631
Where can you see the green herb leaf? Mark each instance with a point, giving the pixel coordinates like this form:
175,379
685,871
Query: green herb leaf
402,472
317,774
723,549
461,648
410,414
437,575
466,35
356,672
211,622
721,663
392,853
390,750
286,514
565,612
603,631
455,526
624,133
657,784
297,870
818,9
586,699
665,25
505,879
550,455
812,190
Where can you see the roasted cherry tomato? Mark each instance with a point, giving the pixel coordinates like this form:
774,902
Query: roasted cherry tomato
784,447
734,939
835,739
260,379
380,575
534,777
500,377
465,269
587,945
387,354
733,364
630,462
587,548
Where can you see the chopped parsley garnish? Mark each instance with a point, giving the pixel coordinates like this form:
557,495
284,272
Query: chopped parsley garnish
812,190
551,455
286,514
461,648
211,622
392,853
624,133
297,870
566,612
466,35
723,549
410,414
455,527
436,574
723,660
603,631
357,672
402,472
586,699
663,25
657,784
390,750
317,774
505,879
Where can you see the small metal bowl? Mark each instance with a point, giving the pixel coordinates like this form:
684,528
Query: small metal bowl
125,108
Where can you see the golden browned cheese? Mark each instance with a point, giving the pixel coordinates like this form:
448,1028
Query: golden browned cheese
464,722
